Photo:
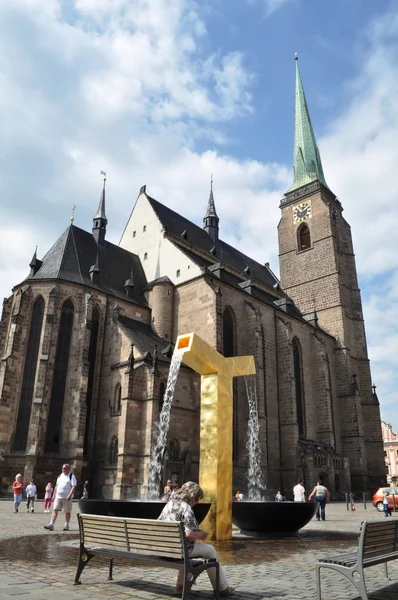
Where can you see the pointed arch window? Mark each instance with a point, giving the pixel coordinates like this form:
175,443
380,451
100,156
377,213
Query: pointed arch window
303,237
228,332
229,349
117,400
330,398
29,375
113,452
92,359
298,379
60,377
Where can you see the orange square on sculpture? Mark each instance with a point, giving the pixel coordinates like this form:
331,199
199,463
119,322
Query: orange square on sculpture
183,342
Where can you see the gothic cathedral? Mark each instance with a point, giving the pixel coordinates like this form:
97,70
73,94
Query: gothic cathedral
86,341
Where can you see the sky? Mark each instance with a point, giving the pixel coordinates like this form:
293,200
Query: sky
166,92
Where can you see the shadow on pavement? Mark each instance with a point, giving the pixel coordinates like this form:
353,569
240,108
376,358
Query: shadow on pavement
389,592
168,590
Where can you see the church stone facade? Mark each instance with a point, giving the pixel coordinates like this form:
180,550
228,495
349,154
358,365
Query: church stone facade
87,338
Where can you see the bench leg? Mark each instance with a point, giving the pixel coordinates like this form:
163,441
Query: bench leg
360,585
318,581
84,558
110,570
217,590
355,575
189,579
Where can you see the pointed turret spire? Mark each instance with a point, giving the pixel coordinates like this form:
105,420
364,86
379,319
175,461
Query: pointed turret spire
307,160
100,221
129,283
34,264
94,271
211,219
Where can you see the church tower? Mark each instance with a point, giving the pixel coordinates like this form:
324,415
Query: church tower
318,271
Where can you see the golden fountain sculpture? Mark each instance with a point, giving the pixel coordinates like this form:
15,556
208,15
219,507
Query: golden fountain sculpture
216,426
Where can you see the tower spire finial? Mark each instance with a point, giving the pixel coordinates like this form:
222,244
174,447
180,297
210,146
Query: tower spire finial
211,219
73,214
307,160
100,221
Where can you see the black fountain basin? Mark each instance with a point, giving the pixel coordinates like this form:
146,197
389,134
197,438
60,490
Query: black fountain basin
139,509
272,517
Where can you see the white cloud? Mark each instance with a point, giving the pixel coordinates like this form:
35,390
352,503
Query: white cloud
134,88
271,6
274,5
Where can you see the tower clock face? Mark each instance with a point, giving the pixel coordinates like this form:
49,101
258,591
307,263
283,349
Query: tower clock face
302,212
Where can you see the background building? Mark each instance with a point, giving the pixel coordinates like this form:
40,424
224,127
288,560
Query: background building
86,341
390,443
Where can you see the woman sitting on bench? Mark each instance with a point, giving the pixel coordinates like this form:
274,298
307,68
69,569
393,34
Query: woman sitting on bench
179,508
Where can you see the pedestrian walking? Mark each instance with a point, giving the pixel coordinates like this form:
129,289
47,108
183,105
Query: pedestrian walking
17,488
387,511
63,496
85,491
299,492
322,495
31,496
48,497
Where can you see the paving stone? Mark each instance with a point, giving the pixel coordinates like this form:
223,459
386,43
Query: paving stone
36,564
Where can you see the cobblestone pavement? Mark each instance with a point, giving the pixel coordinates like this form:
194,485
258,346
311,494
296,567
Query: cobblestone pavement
37,565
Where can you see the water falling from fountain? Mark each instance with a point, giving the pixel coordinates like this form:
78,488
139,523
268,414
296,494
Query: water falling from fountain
254,475
162,426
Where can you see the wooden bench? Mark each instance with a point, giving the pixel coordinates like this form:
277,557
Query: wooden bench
157,543
378,544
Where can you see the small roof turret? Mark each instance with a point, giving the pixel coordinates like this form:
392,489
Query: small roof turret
100,221
211,219
35,264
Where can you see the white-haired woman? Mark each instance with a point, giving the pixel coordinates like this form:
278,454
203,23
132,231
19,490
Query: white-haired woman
179,508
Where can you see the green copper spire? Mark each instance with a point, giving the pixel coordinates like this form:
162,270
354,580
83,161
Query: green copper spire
307,160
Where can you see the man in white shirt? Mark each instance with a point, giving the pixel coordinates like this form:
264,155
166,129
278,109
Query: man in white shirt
299,492
31,493
63,496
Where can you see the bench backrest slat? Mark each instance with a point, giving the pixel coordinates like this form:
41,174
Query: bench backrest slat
106,532
141,536
158,537
378,538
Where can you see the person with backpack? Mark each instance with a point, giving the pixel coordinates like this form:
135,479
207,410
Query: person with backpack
63,496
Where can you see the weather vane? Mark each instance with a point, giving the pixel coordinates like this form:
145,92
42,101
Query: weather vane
104,174
295,56
73,213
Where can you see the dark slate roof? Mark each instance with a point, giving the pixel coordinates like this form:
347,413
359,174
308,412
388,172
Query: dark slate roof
76,251
157,281
143,338
313,446
197,237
